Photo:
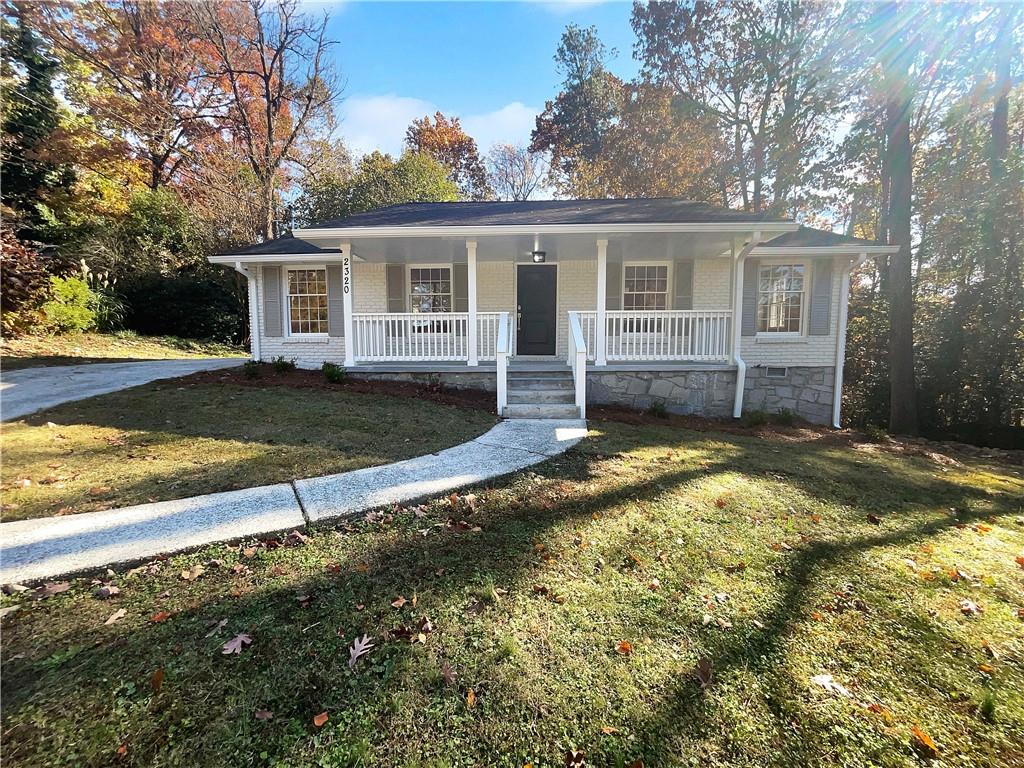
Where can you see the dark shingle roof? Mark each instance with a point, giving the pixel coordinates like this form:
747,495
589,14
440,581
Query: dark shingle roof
659,210
286,245
808,237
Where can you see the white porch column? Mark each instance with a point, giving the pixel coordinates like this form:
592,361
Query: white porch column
474,355
346,296
602,291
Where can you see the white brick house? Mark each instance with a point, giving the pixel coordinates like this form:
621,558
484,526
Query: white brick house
560,303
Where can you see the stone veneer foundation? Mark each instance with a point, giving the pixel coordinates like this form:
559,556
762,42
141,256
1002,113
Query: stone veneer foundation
804,390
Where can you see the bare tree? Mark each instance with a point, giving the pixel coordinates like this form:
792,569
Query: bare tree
275,62
514,172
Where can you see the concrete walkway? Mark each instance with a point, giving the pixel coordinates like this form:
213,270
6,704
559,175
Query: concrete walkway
33,389
37,549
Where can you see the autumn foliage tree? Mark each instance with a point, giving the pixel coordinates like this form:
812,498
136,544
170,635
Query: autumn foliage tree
446,141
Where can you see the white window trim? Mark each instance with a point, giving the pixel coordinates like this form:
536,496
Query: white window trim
668,283
408,285
804,301
286,304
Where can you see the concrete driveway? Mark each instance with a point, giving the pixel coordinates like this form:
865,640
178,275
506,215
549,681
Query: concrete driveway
33,389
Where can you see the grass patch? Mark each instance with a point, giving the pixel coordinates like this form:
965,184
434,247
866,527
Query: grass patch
184,437
759,562
76,349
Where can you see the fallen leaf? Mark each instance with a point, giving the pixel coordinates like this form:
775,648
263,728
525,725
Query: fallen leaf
923,744
99,490
883,712
106,591
235,644
193,573
624,647
115,616
217,627
721,502
636,764
122,750
874,519
156,680
1020,560
988,669
740,566
399,601
654,585
249,552
830,685
447,673
704,672
50,589
263,714
320,720
470,699
159,616
359,648
608,730
970,608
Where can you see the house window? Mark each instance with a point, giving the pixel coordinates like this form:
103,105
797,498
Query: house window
430,289
780,298
645,287
307,301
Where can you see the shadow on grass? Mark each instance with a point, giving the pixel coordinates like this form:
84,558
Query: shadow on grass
298,674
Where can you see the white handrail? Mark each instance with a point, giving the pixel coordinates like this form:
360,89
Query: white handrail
502,349
688,335
578,361
421,336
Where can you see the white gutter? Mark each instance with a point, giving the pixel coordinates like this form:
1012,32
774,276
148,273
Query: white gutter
539,229
828,250
254,316
844,300
737,323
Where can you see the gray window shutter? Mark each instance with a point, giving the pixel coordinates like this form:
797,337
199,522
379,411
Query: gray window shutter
748,321
613,286
820,312
460,287
683,279
394,276
335,302
272,314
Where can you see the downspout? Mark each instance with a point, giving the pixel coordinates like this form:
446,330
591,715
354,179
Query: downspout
254,318
737,323
844,300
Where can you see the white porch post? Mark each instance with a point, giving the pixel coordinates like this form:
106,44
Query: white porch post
602,290
346,296
474,356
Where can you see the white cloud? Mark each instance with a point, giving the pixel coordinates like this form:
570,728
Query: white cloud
565,7
379,122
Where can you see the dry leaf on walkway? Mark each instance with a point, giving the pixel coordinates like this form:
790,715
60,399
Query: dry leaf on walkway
830,685
235,644
320,720
116,616
359,648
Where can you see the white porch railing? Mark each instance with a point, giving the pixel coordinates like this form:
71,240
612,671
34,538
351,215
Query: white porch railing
502,350
685,335
578,361
421,336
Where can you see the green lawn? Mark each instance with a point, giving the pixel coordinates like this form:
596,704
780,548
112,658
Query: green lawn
737,568
75,349
182,437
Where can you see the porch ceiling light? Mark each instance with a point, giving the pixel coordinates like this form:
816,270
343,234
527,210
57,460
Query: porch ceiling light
539,256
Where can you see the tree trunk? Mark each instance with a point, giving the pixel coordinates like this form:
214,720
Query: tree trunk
902,388
268,204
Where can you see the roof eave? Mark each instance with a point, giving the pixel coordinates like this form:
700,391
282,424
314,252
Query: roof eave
320,233
827,250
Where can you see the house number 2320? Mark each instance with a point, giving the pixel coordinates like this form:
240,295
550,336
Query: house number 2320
346,274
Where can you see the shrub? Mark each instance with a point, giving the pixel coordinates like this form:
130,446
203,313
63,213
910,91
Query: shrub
784,417
24,284
194,305
251,369
333,373
754,418
283,366
110,308
72,308
657,409
875,433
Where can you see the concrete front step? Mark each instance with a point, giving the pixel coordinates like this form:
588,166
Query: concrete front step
540,411
563,396
557,374
529,382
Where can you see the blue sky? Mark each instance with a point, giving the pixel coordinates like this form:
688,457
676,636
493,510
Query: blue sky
489,63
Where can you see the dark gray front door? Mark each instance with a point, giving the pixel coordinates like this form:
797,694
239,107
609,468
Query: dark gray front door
536,309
